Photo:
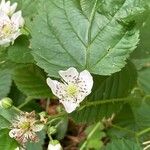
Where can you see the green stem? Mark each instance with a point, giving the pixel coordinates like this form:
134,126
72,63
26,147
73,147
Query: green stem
143,132
57,116
124,129
16,109
27,100
100,102
90,135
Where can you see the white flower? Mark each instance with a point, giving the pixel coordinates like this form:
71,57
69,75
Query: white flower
7,8
54,145
75,87
24,128
10,23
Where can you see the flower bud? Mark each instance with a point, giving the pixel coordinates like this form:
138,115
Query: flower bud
54,145
6,103
51,130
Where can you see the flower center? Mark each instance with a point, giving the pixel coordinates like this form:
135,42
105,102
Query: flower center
6,30
72,90
25,125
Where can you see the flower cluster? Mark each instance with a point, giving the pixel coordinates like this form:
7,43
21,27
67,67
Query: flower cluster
74,88
11,23
24,128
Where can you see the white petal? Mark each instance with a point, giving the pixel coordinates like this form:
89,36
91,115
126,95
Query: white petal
4,17
57,88
85,83
17,19
13,8
38,127
70,75
2,4
70,104
5,42
13,133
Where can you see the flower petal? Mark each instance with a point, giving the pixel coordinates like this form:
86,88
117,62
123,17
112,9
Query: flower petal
57,88
13,8
17,19
85,85
70,75
38,127
70,104
14,133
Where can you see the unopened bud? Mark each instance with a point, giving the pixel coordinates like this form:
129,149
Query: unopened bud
54,145
6,103
51,130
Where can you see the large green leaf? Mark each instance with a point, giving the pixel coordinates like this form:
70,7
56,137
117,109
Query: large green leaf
122,144
28,7
116,86
75,33
7,143
32,81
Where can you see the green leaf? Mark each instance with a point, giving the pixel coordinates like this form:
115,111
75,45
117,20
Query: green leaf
28,7
32,81
73,33
143,49
5,82
144,79
6,117
122,144
20,51
132,119
141,56
119,85
7,143
39,145
94,135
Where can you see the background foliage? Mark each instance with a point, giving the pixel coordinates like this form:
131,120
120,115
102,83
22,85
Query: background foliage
110,38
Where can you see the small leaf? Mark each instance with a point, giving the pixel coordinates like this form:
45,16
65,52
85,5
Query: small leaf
31,80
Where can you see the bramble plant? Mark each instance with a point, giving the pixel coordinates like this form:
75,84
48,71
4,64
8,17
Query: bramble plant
74,74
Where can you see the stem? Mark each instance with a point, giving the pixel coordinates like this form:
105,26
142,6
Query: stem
143,132
57,116
16,109
124,129
100,102
90,135
27,100
47,104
